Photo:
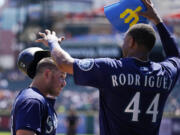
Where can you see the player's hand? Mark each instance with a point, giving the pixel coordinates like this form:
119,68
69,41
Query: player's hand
151,13
49,36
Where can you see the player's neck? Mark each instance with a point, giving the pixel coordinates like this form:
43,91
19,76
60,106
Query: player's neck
140,56
38,84
139,52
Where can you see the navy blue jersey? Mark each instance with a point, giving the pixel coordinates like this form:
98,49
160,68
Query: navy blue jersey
32,111
132,93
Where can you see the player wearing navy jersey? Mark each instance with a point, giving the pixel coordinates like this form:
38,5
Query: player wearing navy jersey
33,111
133,90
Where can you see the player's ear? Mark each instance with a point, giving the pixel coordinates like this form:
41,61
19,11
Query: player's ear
131,42
47,74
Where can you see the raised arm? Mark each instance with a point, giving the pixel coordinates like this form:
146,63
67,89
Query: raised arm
168,42
63,60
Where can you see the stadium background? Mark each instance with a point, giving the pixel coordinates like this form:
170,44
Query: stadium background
88,34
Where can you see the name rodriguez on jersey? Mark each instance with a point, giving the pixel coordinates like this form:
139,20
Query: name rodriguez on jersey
137,80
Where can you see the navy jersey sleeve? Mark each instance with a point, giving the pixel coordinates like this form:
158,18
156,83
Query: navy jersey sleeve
169,44
171,50
28,115
92,72
173,66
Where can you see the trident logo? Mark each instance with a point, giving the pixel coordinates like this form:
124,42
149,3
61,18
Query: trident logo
132,15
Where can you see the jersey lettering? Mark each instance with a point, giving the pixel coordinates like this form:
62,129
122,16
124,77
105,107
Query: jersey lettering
137,80
153,108
133,107
135,110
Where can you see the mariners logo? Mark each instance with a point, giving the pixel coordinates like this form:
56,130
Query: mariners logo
132,15
86,64
51,124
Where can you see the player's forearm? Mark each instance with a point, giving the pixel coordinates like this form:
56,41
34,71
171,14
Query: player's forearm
168,42
63,60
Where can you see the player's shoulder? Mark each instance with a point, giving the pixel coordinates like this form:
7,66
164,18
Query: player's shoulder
31,94
87,64
109,61
116,63
172,62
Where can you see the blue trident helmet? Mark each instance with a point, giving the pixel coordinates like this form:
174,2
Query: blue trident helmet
28,59
122,14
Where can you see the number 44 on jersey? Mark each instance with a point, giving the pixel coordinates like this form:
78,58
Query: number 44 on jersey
133,107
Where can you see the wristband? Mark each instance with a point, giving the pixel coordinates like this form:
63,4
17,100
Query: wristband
53,44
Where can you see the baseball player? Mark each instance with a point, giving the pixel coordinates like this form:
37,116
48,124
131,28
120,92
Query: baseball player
133,90
33,112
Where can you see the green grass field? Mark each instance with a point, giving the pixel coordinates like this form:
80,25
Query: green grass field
5,133
8,133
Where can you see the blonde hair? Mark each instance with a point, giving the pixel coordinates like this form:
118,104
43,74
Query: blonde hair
45,63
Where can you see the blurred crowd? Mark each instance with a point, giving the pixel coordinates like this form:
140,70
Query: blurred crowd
81,101
87,33
85,99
